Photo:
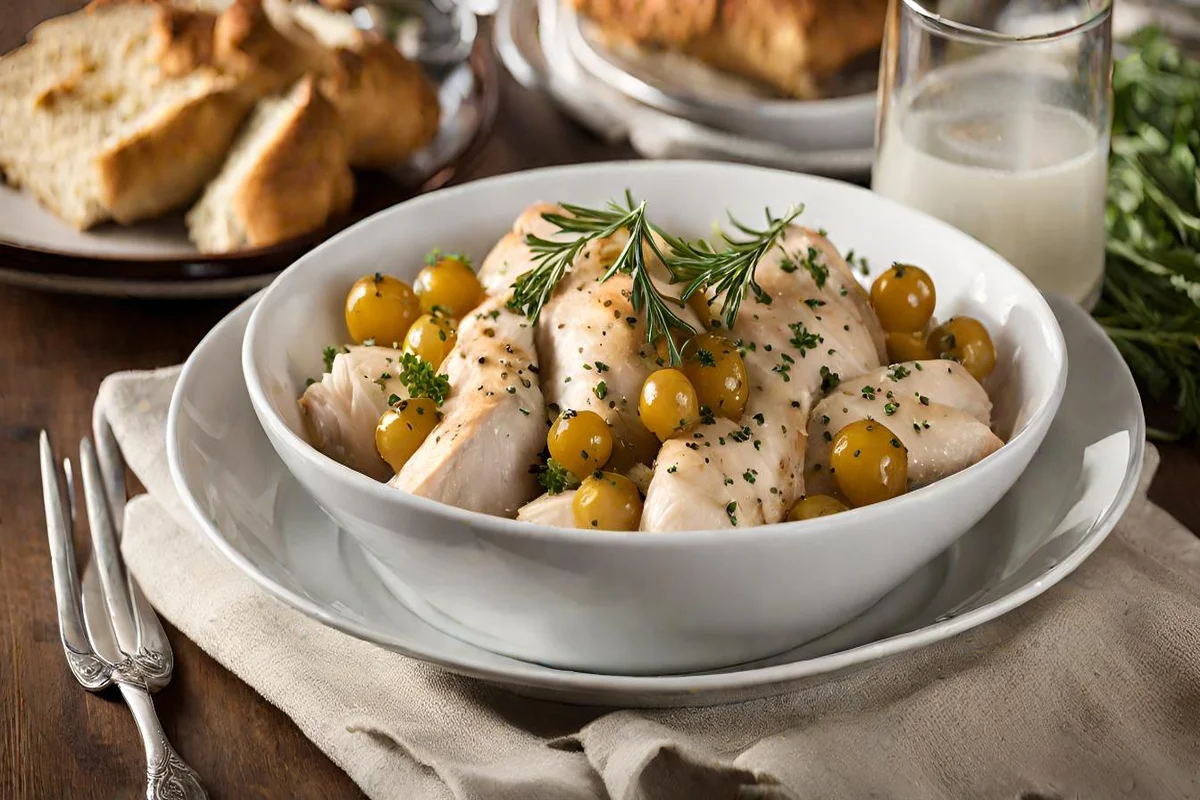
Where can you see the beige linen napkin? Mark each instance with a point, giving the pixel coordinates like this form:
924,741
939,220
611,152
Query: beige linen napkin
1090,691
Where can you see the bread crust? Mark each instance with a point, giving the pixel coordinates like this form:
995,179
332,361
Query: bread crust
302,180
368,88
165,164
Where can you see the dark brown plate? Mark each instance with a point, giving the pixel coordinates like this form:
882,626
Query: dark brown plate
155,260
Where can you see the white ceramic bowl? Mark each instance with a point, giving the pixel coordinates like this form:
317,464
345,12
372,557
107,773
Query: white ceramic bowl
642,603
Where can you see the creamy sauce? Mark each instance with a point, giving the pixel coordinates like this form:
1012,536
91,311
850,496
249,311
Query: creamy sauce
1024,177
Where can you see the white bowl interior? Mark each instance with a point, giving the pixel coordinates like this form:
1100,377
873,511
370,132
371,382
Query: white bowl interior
303,311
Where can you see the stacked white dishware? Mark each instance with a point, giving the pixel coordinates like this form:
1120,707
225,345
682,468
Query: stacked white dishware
671,106
654,619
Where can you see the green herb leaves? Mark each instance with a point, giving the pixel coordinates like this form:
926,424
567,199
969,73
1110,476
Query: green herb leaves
1150,306
422,380
729,272
555,478
552,259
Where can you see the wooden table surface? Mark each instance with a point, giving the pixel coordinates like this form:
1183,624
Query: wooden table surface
60,742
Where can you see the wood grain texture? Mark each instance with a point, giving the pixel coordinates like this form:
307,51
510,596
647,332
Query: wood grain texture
60,742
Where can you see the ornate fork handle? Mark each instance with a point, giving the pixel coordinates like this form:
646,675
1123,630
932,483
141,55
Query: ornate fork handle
167,776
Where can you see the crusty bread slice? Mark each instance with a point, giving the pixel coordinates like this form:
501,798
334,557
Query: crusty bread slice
389,109
96,130
286,175
124,110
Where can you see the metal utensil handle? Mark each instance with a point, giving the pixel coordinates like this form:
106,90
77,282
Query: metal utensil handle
167,776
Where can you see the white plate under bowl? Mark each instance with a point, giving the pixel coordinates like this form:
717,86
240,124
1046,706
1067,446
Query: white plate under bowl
1069,498
686,87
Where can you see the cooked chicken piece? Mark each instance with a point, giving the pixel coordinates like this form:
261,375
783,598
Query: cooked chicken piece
494,422
818,325
792,45
550,509
341,411
593,348
557,509
510,256
940,413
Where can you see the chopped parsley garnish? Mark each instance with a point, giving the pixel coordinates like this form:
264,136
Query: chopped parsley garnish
784,367
759,418
671,469
923,399
601,366
803,339
329,354
819,272
601,390
705,358
741,435
422,380
829,380
861,262
706,415
895,442
556,478
748,476
899,372
730,510
787,265
890,408
868,392
813,302
827,436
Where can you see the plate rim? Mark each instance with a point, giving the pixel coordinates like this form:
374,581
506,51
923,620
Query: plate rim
277,256
537,677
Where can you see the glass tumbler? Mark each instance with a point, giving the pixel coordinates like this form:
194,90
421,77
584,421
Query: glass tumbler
994,115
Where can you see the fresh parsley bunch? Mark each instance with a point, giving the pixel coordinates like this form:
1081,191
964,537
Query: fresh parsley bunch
1150,306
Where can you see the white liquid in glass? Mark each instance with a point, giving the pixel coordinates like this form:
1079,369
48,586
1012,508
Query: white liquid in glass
1022,176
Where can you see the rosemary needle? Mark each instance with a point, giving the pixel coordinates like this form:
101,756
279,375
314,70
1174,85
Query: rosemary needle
552,258
729,272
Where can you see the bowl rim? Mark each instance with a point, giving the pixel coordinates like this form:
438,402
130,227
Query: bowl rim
880,513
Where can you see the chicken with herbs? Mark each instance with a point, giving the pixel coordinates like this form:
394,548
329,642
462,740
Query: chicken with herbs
601,373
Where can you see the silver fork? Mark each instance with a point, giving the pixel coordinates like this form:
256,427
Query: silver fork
109,632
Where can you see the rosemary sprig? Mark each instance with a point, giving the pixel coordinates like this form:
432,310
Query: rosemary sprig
1150,306
730,270
552,258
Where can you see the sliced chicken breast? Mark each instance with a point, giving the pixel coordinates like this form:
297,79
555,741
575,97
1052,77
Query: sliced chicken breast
493,423
550,509
593,348
936,409
818,326
341,410
510,256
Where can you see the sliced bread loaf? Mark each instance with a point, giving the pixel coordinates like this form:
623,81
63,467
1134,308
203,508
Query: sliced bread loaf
286,175
389,109
124,110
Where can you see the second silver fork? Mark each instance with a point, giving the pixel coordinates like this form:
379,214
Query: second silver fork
109,632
